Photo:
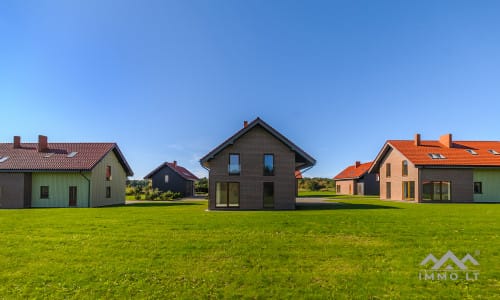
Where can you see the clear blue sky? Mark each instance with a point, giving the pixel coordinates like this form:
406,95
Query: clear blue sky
170,80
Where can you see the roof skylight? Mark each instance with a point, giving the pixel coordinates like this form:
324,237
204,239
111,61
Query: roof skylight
471,151
72,154
494,152
49,155
2,159
437,156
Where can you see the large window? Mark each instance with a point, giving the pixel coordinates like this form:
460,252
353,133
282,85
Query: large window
404,168
387,170
478,187
268,189
338,189
227,194
388,190
436,191
44,192
408,190
268,164
234,164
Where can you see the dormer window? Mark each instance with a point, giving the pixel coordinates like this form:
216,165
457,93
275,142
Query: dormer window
437,156
471,151
494,152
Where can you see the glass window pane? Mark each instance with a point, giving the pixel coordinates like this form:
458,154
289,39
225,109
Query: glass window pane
268,164
268,194
445,190
427,191
221,194
436,190
412,190
388,190
234,164
234,194
405,168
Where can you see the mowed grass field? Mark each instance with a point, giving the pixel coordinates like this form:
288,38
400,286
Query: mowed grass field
361,248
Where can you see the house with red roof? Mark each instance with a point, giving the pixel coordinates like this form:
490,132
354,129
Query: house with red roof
255,168
355,180
170,176
441,170
61,174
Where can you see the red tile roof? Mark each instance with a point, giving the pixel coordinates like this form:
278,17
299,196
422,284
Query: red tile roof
454,156
298,175
183,172
353,172
27,158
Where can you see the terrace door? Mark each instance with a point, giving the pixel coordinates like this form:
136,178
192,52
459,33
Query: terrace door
72,196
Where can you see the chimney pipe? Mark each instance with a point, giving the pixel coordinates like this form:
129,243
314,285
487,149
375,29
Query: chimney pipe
17,142
446,140
245,124
357,164
43,144
175,164
417,139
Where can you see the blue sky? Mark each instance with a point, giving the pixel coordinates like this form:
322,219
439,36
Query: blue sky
170,80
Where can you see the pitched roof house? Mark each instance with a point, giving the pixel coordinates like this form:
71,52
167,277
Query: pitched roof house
355,180
439,170
255,169
61,174
173,177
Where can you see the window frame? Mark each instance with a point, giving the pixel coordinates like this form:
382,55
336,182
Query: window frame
227,191
271,173
404,168
229,164
44,192
387,170
440,193
407,189
108,192
478,184
109,175
388,190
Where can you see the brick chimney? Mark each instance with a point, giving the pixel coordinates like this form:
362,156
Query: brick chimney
417,139
245,124
17,142
43,144
357,164
175,164
446,140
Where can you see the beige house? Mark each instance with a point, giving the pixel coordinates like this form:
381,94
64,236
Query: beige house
439,171
355,180
255,169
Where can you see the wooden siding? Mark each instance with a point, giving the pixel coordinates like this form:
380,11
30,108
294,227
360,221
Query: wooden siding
58,184
15,190
490,180
461,182
252,146
176,183
99,182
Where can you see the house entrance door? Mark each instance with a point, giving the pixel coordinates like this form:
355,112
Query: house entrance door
360,188
72,196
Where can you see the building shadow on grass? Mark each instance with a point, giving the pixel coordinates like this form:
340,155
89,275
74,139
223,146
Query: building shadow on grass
341,205
159,204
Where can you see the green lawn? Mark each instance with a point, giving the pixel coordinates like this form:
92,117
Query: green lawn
361,249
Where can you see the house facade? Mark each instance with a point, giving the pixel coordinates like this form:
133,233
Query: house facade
255,169
61,174
173,177
439,170
355,180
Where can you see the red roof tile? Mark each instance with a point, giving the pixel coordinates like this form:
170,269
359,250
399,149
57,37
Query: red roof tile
353,172
27,158
454,156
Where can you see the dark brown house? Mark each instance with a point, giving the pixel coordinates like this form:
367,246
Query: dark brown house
255,169
172,177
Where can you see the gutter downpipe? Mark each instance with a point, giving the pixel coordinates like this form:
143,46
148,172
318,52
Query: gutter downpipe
88,189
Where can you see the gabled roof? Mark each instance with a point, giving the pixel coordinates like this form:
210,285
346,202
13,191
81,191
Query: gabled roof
55,158
458,155
183,172
353,172
301,157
